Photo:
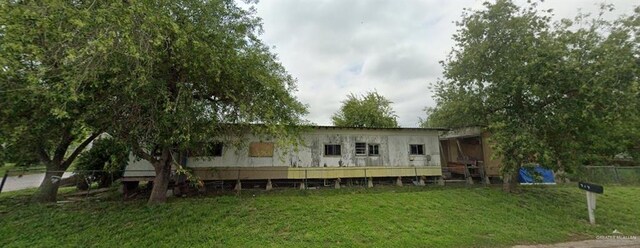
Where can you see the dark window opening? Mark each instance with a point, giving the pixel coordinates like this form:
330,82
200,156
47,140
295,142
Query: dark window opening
416,149
215,150
374,149
361,148
332,150
207,150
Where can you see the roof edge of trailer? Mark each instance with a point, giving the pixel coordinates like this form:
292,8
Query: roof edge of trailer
381,128
311,126
463,132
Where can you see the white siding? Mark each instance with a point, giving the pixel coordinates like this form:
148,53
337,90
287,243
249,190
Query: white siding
393,147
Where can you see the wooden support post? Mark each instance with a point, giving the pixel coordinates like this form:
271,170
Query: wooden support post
592,190
591,206
399,181
370,182
269,185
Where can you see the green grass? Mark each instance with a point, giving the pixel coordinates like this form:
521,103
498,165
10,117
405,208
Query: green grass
379,217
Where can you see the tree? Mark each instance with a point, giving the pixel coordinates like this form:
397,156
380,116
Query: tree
550,93
369,110
103,163
456,108
194,72
48,81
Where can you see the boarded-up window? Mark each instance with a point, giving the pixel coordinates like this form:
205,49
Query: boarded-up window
261,149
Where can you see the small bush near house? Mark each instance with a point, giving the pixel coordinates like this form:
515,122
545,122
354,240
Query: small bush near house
103,163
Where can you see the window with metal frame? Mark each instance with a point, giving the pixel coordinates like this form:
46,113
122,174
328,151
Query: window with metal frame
374,149
332,150
416,149
361,148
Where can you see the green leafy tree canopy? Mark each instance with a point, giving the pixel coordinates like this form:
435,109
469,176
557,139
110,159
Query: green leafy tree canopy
368,110
51,59
194,72
552,93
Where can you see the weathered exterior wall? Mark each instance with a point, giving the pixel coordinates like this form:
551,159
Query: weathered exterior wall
492,165
138,168
453,150
394,151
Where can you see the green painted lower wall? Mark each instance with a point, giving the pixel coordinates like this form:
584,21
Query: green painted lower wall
258,173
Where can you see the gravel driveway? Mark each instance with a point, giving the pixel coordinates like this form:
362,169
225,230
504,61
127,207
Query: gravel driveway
26,181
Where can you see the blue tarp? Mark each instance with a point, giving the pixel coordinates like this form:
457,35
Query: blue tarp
536,175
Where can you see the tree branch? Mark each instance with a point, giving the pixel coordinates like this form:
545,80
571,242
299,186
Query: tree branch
79,149
43,155
138,151
61,149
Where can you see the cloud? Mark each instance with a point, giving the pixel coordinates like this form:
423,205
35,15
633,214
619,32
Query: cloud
337,47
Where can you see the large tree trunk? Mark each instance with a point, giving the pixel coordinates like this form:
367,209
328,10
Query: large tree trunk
161,181
56,166
48,190
510,182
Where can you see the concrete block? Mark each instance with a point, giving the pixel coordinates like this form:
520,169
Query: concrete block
269,185
238,186
303,186
337,183
399,181
370,182
421,181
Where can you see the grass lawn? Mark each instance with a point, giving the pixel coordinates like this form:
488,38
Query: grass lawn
381,217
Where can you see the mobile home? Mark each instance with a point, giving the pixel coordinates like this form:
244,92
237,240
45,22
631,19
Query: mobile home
326,153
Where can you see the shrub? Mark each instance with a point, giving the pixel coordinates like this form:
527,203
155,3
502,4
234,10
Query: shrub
103,163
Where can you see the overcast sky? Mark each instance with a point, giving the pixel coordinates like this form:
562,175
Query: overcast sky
337,47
